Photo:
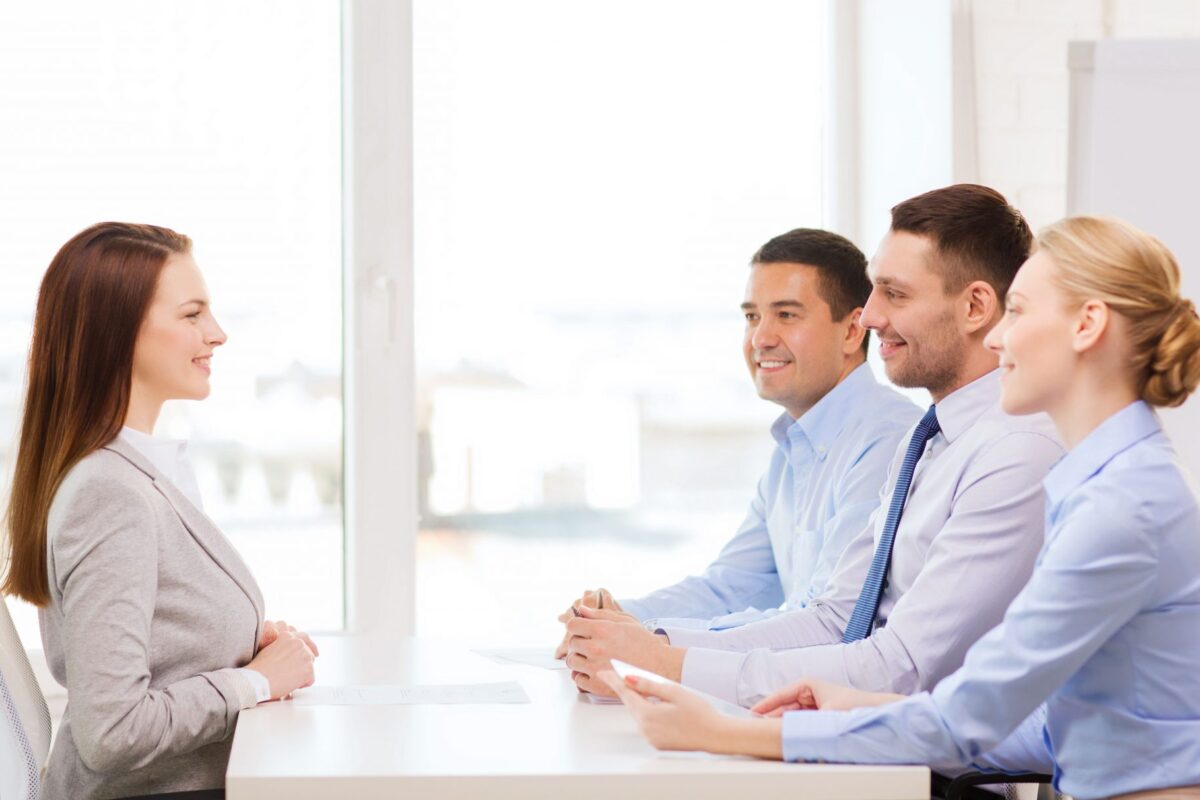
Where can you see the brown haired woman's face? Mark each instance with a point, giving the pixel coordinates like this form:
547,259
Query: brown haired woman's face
172,355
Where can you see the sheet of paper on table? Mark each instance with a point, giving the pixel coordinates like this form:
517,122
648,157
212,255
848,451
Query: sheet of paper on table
531,656
472,693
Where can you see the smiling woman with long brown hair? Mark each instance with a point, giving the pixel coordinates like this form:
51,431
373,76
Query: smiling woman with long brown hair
149,617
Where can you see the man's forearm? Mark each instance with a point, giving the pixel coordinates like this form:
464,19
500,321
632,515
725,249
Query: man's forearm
807,627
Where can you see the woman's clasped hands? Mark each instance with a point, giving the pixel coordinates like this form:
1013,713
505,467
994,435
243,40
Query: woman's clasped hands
285,658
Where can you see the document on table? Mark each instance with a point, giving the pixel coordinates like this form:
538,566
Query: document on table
531,656
471,693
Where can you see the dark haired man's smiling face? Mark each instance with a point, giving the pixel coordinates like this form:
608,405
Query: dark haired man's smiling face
792,345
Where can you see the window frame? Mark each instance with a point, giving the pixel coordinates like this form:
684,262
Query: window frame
380,462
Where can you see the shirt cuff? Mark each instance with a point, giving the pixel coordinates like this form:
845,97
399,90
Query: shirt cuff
251,685
262,686
686,636
812,735
666,624
713,672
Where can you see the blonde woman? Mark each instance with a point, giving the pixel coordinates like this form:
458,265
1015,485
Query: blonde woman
1094,670
149,617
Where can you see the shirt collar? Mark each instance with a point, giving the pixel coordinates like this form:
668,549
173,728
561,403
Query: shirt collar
822,423
152,447
960,409
1116,434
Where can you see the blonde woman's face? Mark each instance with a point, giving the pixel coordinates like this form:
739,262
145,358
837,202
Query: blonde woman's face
1034,340
172,355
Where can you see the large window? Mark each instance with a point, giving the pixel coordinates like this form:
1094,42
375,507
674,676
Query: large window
591,182
221,119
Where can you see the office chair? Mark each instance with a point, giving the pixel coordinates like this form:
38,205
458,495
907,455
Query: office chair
968,785
24,716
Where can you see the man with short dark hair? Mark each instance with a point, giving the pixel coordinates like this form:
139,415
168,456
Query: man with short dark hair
806,352
961,522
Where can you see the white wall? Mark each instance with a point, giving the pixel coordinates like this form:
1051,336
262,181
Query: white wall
931,92
969,90
1135,126
1021,85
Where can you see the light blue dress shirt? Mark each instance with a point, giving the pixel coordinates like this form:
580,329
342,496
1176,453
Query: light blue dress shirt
1106,634
818,493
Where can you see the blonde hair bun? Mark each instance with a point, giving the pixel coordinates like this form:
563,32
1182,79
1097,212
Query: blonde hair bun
1175,366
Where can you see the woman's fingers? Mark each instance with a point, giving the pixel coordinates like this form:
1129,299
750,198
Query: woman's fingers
279,626
269,634
311,644
779,711
798,695
775,699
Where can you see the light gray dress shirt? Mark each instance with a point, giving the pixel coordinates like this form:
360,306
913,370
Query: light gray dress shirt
966,544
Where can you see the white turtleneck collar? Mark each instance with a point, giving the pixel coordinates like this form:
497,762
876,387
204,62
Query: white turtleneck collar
169,456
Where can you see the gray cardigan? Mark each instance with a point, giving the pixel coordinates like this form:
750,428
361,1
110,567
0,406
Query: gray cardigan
149,601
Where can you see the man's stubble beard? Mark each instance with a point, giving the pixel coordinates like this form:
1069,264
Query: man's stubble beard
938,368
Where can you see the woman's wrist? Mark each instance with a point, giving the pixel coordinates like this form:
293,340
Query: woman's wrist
871,699
762,737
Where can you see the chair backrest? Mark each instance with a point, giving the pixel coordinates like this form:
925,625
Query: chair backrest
24,717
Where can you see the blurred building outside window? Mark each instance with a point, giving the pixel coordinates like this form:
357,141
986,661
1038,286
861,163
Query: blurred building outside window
590,185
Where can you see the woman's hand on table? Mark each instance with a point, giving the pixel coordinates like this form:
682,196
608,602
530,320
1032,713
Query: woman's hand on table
812,694
673,718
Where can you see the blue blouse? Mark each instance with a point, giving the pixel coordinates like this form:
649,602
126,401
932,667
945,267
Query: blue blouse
1106,634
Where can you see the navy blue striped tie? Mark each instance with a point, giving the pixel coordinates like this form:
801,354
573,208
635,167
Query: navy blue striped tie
865,609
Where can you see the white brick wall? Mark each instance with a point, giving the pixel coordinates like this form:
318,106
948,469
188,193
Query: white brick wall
1021,85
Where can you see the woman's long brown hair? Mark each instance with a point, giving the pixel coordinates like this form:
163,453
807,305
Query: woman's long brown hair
89,311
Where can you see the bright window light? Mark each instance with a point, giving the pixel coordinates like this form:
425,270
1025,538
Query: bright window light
591,181
220,119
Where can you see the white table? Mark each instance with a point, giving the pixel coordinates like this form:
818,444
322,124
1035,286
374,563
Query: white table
557,747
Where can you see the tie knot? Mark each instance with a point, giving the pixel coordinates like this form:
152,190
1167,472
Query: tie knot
928,426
